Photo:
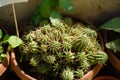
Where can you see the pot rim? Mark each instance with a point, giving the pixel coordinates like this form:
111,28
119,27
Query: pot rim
105,78
5,63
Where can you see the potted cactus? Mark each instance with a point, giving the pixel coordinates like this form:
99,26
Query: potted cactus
58,47
66,50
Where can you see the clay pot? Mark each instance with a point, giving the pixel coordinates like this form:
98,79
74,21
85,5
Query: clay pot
92,73
23,76
5,63
105,78
88,76
15,67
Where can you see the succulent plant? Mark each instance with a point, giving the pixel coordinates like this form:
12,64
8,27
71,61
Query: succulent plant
99,57
80,43
43,22
79,73
68,21
67,74
66,50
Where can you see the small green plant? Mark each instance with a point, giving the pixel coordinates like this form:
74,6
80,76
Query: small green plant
6,40
113,25
66,50
48,10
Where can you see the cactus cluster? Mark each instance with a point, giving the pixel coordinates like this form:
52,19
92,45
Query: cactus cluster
66,50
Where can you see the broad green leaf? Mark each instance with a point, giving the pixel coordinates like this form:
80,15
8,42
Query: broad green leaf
113,24
1,33
6,37
14,41
1,49
54,3
37,19
66,5
114,45
45,8
1,59
55,17
2,56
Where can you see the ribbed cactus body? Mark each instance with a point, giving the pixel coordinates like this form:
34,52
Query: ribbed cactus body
66,50
67,74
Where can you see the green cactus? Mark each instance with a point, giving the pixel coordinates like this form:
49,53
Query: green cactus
43,48
46,29
69,56
99,57
67,74
81,56
79,73
90,33
68,21
66,46
33,47
49,58
43,22
68,49
54,46
44,39
81,43
34,60
42,68
85,65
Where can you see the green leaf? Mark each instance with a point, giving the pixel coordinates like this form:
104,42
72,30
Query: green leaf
114,45
45,8
55,17
2,56
14,41
113,24
36,19
1,33
54,3
6,37
1,50
66,5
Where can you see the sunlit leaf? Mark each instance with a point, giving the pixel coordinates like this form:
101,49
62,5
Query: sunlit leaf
114,45
45,8
66,5
14,41
55,17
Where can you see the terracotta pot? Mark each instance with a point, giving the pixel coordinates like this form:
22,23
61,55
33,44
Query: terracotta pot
15,67
88,76
92,73
5,63
105,78
22,75
111,56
